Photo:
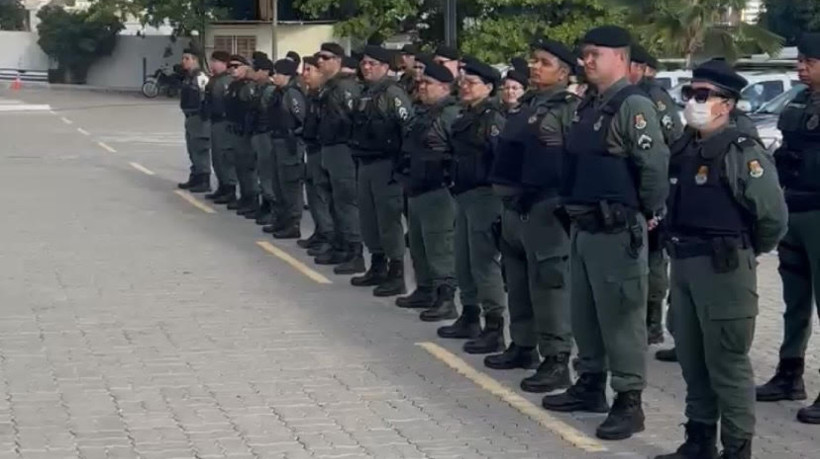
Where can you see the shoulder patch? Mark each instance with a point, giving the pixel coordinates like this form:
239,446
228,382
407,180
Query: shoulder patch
494,130
813,122
640,122
645,142
661,106
755,169
396,102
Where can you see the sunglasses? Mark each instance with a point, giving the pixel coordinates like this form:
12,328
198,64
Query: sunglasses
701,95
234,66
325,57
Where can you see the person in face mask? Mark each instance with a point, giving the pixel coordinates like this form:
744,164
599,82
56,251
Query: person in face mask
725,207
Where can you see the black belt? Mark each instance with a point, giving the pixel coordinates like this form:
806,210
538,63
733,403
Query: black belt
682,248
606,218
522,203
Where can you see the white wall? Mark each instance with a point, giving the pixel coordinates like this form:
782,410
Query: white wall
19,50
123,68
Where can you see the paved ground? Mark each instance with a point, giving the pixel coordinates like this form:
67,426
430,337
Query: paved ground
134,324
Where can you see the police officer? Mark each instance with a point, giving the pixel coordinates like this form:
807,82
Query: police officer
197,126
239,101
336,104
288,115
798,164
725,208
407,81
513,88
616,178
261,125
214,107
424,173
534,244
379,115
317,182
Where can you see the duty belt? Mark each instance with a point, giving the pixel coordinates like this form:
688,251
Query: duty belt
606,218
681,248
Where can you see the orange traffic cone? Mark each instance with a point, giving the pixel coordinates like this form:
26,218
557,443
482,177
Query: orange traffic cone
16,85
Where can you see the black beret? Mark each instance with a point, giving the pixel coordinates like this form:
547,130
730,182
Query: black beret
285,67
809,45
294,56
721,74
333,48
520,64
519,76
639,54
487,73
350,62
240,58
410,49
378,53
608,36
221,56
468,59
259,55
190,51
438,72
557,49
448,52
653,62
312,60
425,58
263,64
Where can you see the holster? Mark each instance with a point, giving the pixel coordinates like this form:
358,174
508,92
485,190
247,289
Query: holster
725,254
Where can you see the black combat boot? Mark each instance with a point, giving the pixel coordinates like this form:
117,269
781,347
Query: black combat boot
552,374
336,254
394,283
220,190
311,241
275,225
189,184
491,338
243,201
735,448
376,273
625,418
354,263
288,232
468,324
250,209
667,355
786,384
444,308
587,394
701,443
514,357
320,249
421,298
228,196
810,414
264,216
654,322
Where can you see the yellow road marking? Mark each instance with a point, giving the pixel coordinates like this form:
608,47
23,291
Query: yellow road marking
52,112
141,168
194,201
567,432
296,264
106,147
82,131
66,120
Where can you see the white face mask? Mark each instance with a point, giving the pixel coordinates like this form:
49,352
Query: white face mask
698,115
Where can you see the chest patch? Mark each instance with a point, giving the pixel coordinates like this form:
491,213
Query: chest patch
661,106
598,124
813,122
640,122
755,169
702,176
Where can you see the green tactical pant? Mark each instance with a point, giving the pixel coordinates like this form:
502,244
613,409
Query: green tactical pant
714,327
380,205
658,276
246,167
799,254
430,219
222,153
198,143
608,305
478,261
317,187
265,167
287,181
338,161
535,252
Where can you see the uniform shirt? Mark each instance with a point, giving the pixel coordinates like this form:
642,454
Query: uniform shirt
215,92
193,91
394,109
480,124
668,112
335,106
289,114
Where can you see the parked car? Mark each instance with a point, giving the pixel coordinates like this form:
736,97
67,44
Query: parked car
671,78
764,87
766,117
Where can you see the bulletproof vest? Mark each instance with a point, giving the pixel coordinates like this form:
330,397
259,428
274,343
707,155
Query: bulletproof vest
236,107
310,131
658,95
798,160
472,152
700,202
335,124
261,112
284,122
213,105
376,132
521,158
190,95
593,174
423,166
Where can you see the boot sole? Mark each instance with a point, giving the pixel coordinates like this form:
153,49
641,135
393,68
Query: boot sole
482,350
438,319
531,366
619,435
534,389
790,397
390,293
807,419
575,409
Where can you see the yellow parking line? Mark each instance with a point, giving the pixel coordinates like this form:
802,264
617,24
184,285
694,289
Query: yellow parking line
296,264
66,120
106,147
194,201
141,168
567,432
82,131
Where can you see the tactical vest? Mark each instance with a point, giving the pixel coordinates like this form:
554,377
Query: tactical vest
236,108
472,152
213,105
335,125
190,95
376,132
700,202
798,160
261,111
424,167
659,95
284,122
310,130
593,174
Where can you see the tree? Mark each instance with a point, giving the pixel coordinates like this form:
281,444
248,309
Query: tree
12,15
366,20
77,39
791,18
699,28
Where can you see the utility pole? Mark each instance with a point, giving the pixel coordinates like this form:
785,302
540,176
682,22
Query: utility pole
450,23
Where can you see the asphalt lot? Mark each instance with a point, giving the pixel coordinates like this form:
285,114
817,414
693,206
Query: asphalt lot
137,324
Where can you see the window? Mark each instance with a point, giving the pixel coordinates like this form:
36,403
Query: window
236,44
761,92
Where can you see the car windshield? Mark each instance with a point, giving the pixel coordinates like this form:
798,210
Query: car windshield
776,105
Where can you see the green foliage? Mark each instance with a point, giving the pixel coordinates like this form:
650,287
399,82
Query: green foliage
183,15
366,19
12,15
791,18
77,39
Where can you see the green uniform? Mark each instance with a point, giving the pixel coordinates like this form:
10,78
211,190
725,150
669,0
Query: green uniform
726,208
221,140
317,182
197,123
478,262
380,113
608,242
241,94
261,141
422,171
335,106
288,108
534,246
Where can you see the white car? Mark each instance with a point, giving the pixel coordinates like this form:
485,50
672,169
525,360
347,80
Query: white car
672,78
762,88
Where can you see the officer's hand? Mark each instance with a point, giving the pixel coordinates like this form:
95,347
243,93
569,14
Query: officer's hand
653,223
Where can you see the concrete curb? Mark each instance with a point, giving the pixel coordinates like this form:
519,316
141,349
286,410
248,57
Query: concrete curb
38,86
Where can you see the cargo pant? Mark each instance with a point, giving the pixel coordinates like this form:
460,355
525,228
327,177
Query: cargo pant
287,181
431,218
380,206
317,187
338,161
223,153
265,168
198,143
246,166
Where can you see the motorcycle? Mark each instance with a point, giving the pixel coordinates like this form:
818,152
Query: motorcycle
163,81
